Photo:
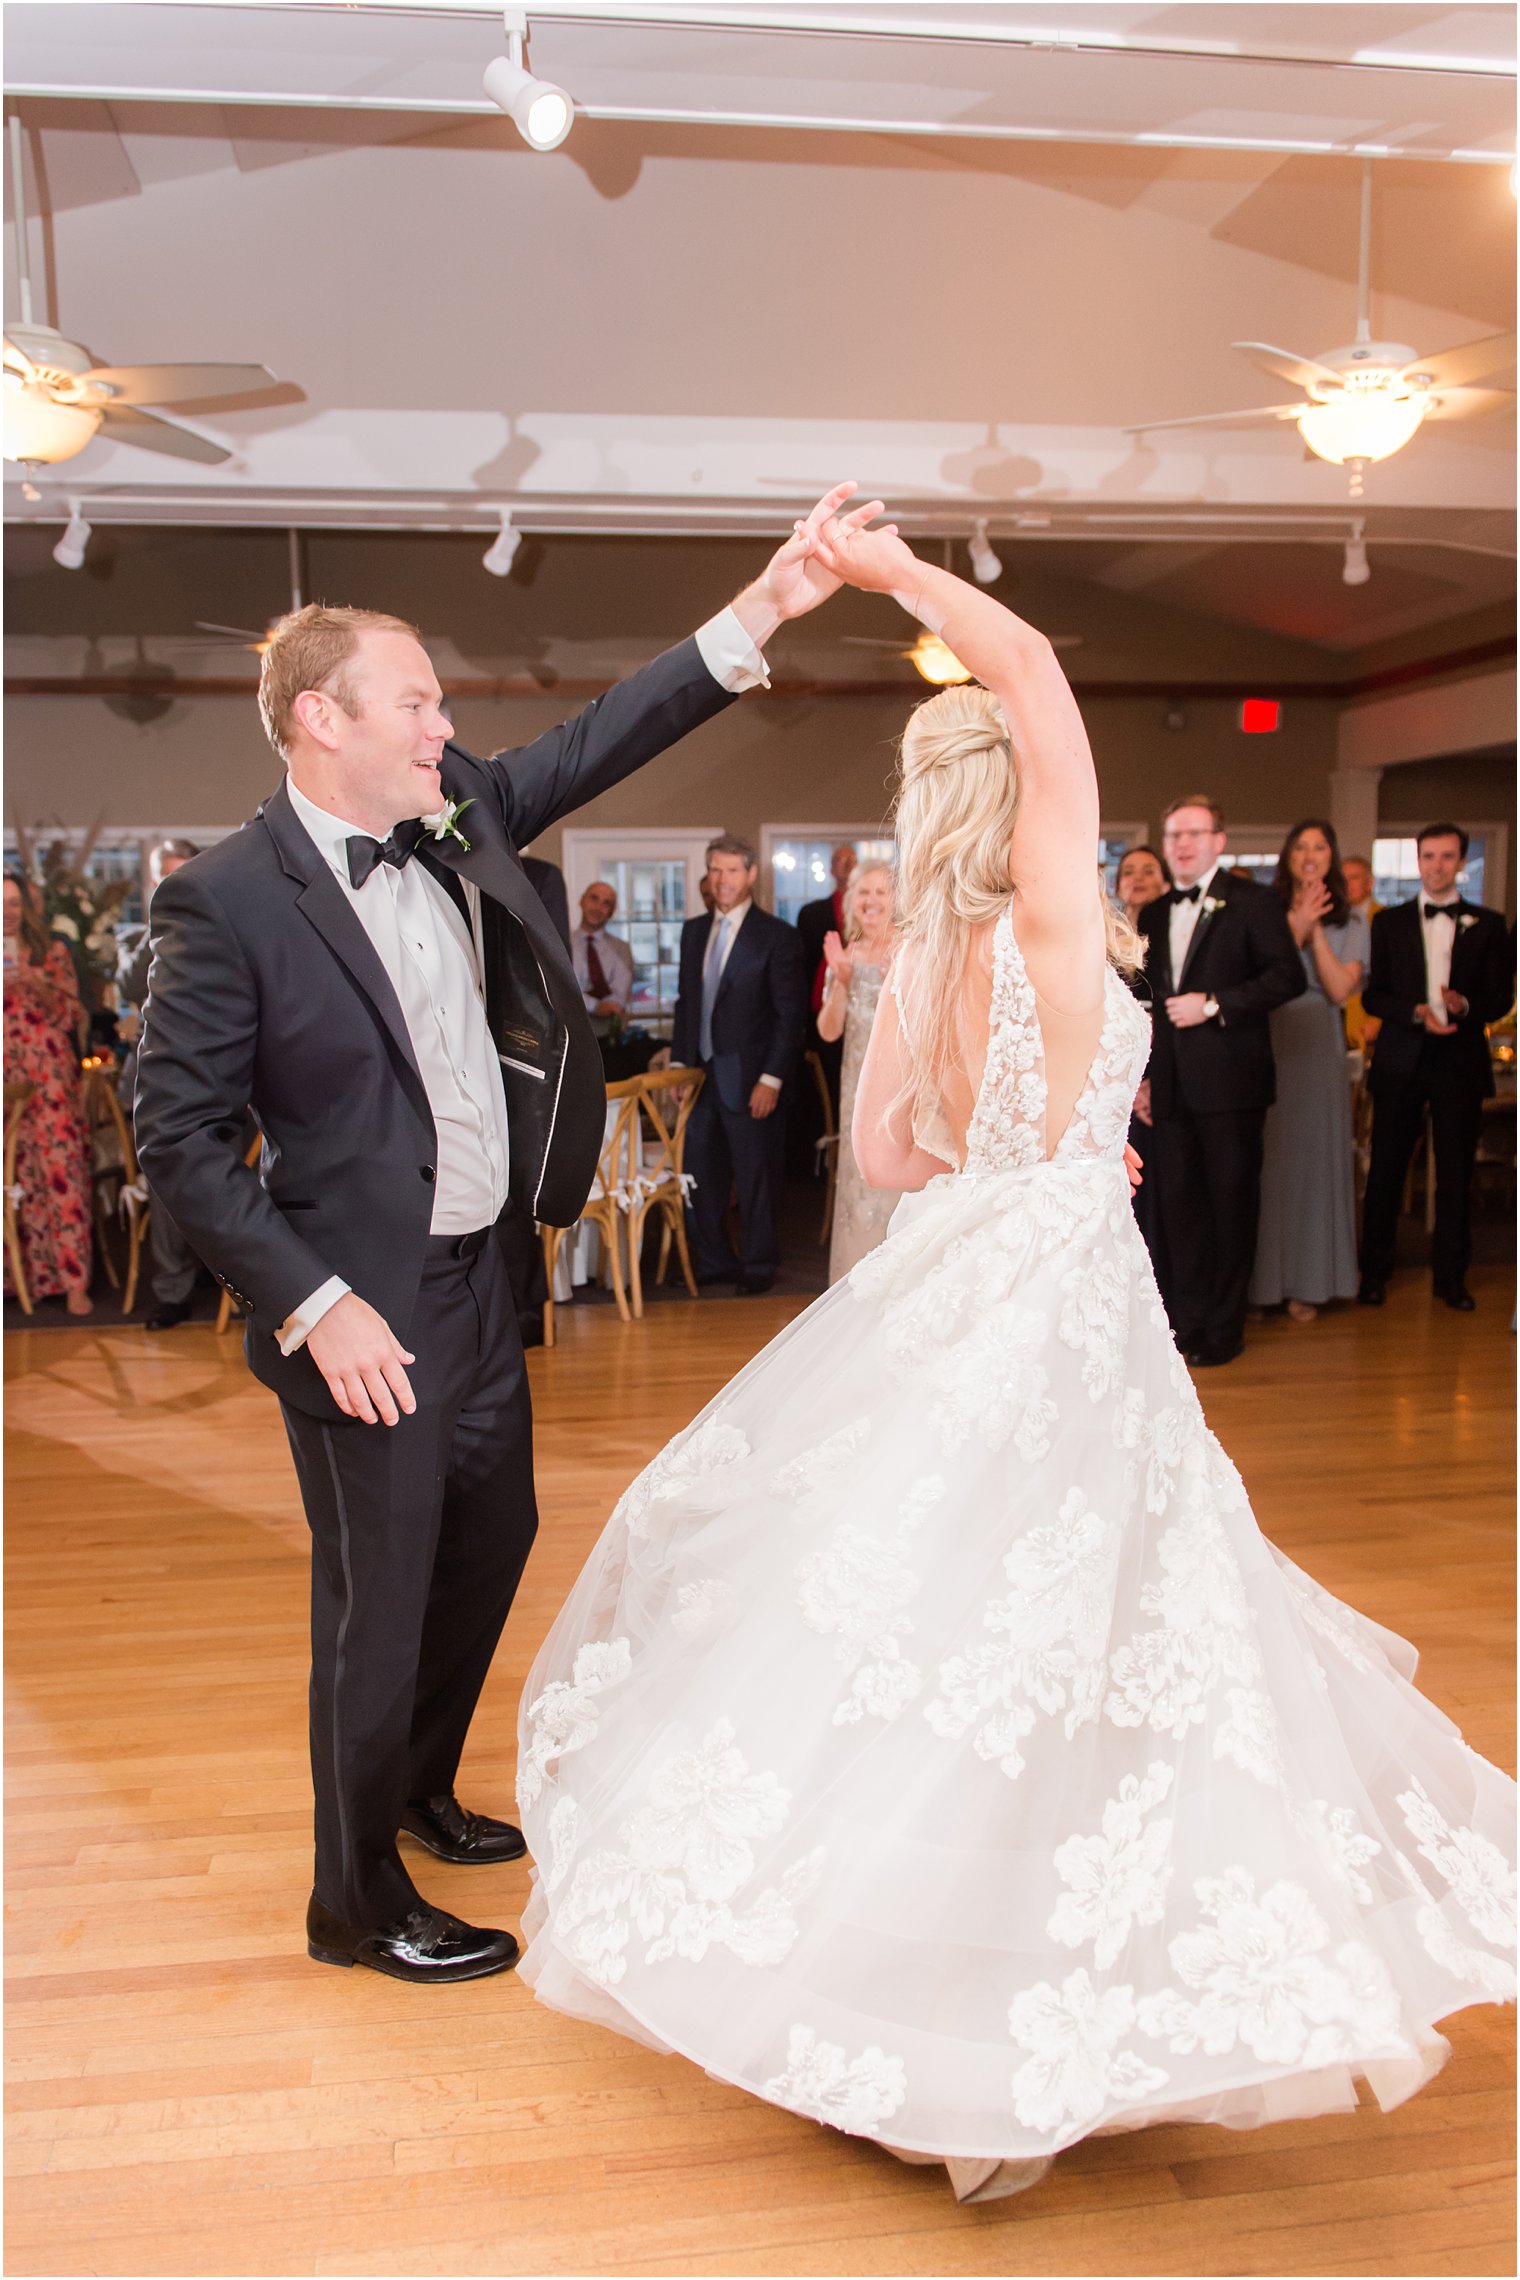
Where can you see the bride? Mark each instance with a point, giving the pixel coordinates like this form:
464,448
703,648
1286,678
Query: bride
932,1744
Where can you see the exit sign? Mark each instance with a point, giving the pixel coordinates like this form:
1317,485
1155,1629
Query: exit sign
1260,716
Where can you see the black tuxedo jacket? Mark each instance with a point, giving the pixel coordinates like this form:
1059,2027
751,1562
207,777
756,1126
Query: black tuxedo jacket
760,1010
1244,955
265,990
1482,969
814,921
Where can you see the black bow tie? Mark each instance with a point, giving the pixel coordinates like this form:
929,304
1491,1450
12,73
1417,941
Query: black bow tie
1441,910
1188,894
364,853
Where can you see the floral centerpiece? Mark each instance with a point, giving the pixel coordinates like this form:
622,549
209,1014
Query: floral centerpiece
79,909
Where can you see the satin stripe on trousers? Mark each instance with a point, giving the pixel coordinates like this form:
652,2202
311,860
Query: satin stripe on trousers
420,1532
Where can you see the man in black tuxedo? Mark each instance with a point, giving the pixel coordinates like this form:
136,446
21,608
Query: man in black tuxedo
402,1014
1441,969
1219,956
739,1017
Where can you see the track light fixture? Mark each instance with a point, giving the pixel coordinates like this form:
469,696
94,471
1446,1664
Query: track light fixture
985,565
70,550
1357,569
498,555
542,113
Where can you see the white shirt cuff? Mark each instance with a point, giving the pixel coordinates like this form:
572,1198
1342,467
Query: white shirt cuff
730,655
298,1327
773,1082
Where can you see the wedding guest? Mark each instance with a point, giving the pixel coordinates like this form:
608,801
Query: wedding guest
42,1029
1361,1029
740,1017
603,962
1306,1243
172,1265
857,966
1441,969
1219,958
1143,877
816,920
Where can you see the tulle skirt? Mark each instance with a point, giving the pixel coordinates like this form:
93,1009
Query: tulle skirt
934,1746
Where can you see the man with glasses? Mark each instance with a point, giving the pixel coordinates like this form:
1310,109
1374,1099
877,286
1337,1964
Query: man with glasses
1219,957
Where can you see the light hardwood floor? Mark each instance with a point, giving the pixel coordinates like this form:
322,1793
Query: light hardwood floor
189,2095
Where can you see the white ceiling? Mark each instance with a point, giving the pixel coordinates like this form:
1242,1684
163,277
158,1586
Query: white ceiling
681,324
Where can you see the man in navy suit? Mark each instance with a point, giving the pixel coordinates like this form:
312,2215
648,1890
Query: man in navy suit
1441,969
739,1017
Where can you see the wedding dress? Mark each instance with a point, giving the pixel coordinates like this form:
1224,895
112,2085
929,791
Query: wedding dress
933,1745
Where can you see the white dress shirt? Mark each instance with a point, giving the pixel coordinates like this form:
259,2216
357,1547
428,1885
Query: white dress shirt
433,965
723,950
616,961
1183,919
1438,935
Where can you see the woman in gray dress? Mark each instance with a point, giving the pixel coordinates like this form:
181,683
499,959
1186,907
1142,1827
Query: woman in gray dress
1306,1249
857,968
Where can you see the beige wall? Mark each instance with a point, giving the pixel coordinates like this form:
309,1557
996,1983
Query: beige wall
766,760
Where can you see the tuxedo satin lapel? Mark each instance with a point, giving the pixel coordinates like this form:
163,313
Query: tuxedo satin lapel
321,900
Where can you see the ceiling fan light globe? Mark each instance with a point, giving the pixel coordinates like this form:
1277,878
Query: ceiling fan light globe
1361,424
937,662
39,432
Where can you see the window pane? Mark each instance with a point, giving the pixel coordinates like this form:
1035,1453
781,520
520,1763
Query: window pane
1396,870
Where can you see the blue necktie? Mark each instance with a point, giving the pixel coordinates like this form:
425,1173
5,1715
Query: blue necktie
712,975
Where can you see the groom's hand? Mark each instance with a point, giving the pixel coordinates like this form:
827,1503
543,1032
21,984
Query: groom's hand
795,580
362,1360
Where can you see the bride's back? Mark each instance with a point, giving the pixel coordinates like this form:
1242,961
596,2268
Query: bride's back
1051,1061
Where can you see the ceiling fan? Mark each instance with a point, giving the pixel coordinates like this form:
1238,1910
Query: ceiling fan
57,398
244,636
1367,400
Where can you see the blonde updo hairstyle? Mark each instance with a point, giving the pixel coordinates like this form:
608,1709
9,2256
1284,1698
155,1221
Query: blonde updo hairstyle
954,823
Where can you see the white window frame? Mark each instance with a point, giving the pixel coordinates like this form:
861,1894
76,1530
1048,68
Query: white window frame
1495,838
584,850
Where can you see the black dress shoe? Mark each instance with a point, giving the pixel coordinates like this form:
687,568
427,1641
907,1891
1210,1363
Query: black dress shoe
1213,1357
445,1829
754,1286
1459,1298
723,1275
167,1318
1372,1294
426,1945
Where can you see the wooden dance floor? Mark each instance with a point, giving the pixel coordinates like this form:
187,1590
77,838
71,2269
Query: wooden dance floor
188,2094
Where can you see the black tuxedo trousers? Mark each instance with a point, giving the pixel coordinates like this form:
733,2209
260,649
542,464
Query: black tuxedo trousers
728,1148
1206,1175
420,1532
1442,1082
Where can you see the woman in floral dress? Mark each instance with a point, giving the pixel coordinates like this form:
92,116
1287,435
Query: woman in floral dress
857,968
933,1745
53,1150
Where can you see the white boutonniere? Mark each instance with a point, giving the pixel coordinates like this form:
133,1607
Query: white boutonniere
445,825
1210,904
1465,921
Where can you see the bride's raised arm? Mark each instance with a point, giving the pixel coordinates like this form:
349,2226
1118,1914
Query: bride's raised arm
1054,853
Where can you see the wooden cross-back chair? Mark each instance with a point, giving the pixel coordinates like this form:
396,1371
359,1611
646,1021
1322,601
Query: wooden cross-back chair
17,1100
660,1180
826,1146
607,1204
114,1161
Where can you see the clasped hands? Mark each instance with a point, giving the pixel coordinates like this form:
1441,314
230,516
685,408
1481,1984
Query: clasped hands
1453,1004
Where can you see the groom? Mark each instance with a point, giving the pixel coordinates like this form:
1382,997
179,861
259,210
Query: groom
405,1022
